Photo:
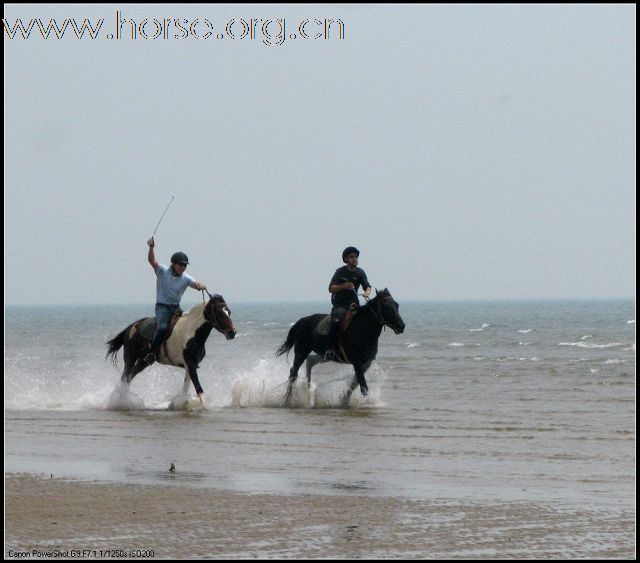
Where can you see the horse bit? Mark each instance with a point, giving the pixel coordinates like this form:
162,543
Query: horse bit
380,316
212,321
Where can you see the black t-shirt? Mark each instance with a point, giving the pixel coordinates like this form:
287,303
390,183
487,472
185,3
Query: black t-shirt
357,277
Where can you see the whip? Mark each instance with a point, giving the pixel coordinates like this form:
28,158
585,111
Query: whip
162,216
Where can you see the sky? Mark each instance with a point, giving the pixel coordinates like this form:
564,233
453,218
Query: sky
468,151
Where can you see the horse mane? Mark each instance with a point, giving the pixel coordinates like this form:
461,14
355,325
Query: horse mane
380,294
215,298
373,302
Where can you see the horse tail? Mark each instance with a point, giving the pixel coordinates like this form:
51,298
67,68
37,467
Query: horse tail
290,341
114,345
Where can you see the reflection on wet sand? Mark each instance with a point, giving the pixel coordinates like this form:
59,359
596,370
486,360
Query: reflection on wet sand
181,521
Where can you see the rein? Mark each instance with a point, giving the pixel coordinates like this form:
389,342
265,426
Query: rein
379,316
212,321
207,292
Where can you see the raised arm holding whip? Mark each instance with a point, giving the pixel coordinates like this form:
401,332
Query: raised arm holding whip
171,283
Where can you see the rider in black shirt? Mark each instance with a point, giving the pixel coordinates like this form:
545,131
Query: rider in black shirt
344,287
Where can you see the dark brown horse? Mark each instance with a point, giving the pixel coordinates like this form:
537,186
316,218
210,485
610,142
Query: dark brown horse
185,346
359,341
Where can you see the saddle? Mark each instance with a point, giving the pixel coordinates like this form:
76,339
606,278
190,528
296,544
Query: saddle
147,327
325,324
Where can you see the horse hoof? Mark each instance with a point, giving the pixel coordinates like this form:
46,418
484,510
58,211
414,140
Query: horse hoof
195,403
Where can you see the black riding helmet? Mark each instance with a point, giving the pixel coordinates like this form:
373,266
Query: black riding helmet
349,250
179,258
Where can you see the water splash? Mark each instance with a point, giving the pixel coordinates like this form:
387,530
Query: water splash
122,399
265,386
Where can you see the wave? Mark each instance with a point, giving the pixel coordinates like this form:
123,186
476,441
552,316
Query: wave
583,344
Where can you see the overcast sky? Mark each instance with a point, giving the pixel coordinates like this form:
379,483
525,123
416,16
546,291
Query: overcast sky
469,152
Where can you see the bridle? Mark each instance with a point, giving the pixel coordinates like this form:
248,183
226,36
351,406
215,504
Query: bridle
212,321
378,315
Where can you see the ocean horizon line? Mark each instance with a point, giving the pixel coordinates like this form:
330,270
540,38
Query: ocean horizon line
318,302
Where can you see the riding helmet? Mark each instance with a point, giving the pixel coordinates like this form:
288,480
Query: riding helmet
349,250
179,258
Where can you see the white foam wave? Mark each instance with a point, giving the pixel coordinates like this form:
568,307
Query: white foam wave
484,325
582,344
525,330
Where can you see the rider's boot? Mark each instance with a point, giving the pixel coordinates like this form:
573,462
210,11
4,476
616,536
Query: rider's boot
150,357
154,346
332,354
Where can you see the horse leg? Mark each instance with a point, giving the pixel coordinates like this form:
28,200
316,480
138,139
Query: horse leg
187,382
358,379
347,395
312,361
192,371
293,375
364,389
133,362
131,369
124,378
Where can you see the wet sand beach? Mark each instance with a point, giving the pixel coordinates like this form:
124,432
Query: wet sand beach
54,516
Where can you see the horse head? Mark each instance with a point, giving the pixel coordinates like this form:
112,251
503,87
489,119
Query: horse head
386,310
218,314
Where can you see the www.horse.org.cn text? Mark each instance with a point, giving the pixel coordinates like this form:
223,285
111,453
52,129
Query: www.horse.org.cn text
269,31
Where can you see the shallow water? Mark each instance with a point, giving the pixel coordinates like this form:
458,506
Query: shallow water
476,401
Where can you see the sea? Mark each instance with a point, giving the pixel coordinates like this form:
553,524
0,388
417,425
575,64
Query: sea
477,401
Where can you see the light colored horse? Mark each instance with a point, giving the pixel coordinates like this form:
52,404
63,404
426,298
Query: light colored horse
183,348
